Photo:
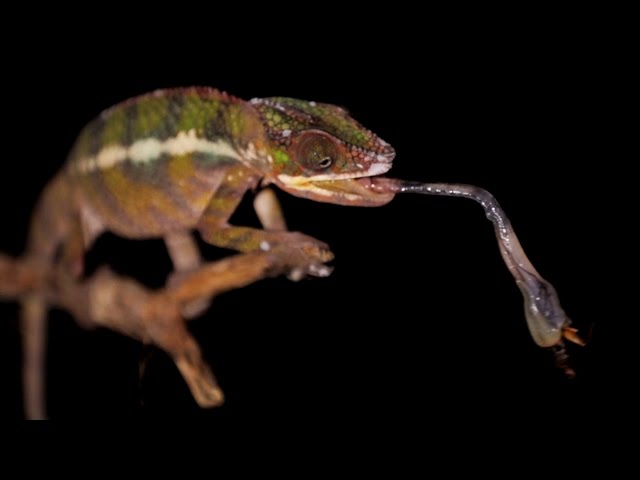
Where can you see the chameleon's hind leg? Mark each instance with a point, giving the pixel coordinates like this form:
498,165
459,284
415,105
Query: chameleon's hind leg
269,212
185,257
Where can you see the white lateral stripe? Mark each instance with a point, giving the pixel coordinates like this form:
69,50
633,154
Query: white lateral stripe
149,149
143,151
110,156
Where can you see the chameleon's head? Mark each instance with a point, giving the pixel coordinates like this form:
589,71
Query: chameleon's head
318,151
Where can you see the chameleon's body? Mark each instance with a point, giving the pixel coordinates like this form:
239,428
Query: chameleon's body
165,163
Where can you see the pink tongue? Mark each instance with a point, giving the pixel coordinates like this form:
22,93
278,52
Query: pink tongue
379,184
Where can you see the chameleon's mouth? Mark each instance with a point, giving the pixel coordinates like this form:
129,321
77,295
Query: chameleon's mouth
345,191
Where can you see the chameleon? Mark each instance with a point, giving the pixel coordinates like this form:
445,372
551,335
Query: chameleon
169,162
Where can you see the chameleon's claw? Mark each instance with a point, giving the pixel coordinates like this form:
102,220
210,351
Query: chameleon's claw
320,270
296,274
308,262
313,269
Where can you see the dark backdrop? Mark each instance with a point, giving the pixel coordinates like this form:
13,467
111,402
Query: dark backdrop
420,320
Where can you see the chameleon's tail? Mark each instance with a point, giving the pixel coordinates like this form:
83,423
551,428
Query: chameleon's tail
34,333
49,229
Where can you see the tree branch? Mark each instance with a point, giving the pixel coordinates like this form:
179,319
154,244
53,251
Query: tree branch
154,316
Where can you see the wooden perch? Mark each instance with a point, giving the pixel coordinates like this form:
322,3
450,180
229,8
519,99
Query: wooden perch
154,316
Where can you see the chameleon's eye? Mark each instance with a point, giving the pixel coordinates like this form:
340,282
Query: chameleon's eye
326,162
315,151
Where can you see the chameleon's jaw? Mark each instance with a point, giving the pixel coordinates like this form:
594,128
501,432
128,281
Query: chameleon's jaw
345,191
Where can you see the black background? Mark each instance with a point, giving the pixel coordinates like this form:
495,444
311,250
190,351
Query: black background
420,320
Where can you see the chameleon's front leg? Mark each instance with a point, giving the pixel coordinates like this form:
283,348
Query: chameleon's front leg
269,212
186,257
215,229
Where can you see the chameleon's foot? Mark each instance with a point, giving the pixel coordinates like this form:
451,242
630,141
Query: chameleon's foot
305,256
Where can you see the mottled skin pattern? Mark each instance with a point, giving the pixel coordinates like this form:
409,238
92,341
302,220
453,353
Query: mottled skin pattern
171,161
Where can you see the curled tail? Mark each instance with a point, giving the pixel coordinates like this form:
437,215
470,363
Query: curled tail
51,225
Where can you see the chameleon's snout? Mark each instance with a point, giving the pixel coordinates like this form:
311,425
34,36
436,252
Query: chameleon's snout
385,155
